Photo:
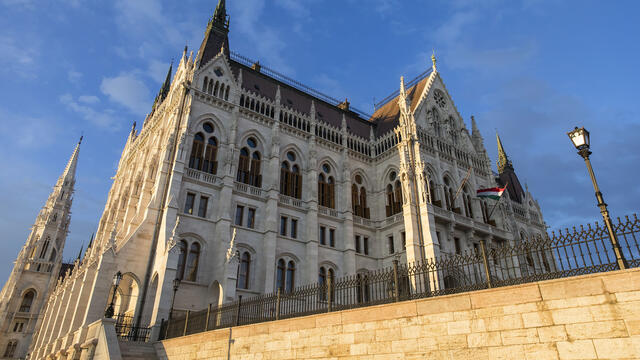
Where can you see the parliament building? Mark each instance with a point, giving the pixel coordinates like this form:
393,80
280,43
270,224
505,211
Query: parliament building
241,181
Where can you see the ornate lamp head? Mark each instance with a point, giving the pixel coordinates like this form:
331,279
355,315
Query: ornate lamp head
580,138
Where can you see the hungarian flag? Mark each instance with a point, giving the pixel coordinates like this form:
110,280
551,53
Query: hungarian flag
492,193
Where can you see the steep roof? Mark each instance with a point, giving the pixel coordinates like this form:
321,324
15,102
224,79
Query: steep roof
388,115
298,100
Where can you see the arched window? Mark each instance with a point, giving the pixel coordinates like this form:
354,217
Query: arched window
191,269
204,84
466,197
448,194
27,301
485,211
326,187
363,287
52,258
210,153
195,160
434,119
249,164
322,276
182,259
359,198
291,271
280,274
9,352
290,177
243,166
429,187
363,203
394,195
355,199
45,247
244,267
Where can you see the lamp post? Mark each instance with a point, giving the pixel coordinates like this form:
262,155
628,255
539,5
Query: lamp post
580,139
116,281
176,285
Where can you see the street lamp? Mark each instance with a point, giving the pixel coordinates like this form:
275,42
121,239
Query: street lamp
580,139
116,281
176,285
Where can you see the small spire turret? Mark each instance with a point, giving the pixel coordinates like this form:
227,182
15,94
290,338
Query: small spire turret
503,160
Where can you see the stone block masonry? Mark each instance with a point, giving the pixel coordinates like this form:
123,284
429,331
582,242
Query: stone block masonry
593,316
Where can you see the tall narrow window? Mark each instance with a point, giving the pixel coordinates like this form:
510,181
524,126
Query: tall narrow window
195,160
182,259
394,195
403,237
364,210
202,207
355,200
255,179
192,262
27,301
332,237
323,235
280,274
326,187
290,177
243,271
283,225
390,244
9,352
251,218
365,245
294,228
45,247
239,214
211,151
243,166
249,164
357,243
456,243
188,204
291,271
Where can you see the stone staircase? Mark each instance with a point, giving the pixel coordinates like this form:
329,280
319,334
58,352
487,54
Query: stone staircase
137,351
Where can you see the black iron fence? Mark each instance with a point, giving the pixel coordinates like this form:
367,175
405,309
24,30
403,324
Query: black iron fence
126,331
562,254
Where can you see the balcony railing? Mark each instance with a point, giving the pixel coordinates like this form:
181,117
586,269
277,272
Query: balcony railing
288,200
201,176
327,211
248,189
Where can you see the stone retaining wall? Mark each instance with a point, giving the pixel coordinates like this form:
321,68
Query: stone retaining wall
587,317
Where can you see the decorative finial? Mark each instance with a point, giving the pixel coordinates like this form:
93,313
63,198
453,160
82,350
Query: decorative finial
80,141
433,58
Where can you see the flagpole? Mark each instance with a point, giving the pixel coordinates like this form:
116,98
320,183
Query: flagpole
496,204
466,178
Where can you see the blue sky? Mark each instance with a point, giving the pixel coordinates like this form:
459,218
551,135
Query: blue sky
532,69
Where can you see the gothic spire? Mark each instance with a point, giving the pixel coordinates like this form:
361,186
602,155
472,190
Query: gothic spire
69,172
220,14
164,91
216,36
503,161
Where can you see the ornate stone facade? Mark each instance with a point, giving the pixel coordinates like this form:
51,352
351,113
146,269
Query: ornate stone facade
240,181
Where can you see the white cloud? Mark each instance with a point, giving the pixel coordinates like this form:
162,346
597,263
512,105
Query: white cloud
104,119
127,90
17,58
74,76
88,99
